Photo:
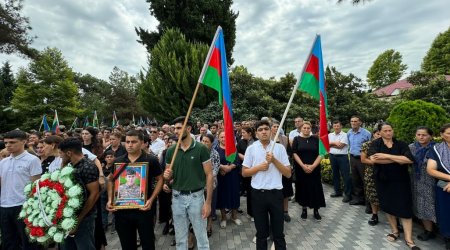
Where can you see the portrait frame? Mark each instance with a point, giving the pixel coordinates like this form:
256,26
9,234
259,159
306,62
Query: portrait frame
130,190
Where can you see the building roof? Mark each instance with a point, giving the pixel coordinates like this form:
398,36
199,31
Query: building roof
393,89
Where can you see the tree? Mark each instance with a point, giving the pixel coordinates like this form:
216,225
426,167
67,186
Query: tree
14,29
7,84
95,94
197,20
386,69
407,116
124,96
437,59
46,85
429,87
173,70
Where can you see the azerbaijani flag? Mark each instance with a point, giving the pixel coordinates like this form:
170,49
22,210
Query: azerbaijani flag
215,75
86,122
313,83
114,121
95,120
55,125
44,123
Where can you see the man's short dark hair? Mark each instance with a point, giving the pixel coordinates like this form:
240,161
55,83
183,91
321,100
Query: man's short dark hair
213,125
146,138
109,152
109,129
262,123
131,171
180,119
136,133
336,122
53,139
16,134
356,116
71,144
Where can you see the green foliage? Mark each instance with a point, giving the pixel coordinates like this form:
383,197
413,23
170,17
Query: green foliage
124,96
386,69
46,85
437,59
197,20
14,29
407,116
169,83
429,87
7,84
327,171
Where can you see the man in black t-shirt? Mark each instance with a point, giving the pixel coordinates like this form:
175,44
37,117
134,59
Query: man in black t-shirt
129,220
86,174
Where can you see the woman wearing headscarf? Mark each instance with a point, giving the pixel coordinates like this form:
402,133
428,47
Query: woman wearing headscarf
422,183
438,166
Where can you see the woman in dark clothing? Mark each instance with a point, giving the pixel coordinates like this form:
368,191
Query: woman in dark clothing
438,166
309,190
391,159
248,137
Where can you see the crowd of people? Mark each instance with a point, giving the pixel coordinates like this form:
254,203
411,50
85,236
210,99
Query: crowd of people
195,186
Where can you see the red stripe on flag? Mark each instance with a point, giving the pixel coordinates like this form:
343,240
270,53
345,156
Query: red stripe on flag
323,123
230,146
214,60
313,66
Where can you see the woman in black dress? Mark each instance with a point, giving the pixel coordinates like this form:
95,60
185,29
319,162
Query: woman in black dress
309,190
248,137
391,160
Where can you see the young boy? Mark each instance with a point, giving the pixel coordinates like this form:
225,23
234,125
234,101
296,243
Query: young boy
108,167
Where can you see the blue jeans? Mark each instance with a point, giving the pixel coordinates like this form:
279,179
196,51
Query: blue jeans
185,209
84,237
341,167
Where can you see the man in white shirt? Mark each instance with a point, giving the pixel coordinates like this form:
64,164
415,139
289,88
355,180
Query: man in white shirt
339,161
266,168
156,144
16,171
296,132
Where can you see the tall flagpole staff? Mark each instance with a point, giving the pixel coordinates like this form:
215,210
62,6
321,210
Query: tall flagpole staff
192,101
293,94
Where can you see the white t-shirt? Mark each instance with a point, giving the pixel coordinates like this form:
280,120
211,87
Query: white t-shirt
56,164
15,174
341,137
157,146
294,133
90,155
271,178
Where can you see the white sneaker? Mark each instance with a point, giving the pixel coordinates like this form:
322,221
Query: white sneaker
254,240
223,224
252,219
273,246
237,222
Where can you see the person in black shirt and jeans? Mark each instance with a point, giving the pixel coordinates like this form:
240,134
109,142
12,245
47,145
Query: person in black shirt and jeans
130,220
86,174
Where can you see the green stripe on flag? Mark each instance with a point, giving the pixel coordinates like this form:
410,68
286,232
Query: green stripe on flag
310,85
212,80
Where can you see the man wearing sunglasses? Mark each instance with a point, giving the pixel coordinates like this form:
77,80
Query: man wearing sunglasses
156,144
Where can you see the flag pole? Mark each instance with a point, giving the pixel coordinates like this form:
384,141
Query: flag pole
42,122
193,97
184,125
293,94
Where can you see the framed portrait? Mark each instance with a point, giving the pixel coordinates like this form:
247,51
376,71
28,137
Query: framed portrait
131,187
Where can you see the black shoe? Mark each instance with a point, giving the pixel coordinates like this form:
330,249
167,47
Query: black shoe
304,214
166,229
287,218
374,220
334,195
356,202
346,199
447,243
317,215
426,235
173,243
368,210
240,211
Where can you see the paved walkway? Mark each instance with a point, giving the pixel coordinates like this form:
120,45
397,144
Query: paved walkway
342,227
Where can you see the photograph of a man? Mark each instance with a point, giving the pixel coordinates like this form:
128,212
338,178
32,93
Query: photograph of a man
129,190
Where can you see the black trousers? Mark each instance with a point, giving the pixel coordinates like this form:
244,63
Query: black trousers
13,230
165,209
357,178
132,220
246,184
265,203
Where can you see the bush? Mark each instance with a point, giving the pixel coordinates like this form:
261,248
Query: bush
407,116
327,173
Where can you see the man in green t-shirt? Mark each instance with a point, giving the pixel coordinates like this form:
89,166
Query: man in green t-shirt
190,173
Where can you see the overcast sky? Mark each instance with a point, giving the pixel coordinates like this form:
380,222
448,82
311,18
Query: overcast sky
273,36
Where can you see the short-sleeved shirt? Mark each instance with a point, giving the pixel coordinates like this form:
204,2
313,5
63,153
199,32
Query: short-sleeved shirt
342,138
15,174
188,172
157,146
85,173
272,177
432,154
356,139
154,169
294,133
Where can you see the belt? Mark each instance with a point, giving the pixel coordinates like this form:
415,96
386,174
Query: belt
356,156
266,190
189,192
338,155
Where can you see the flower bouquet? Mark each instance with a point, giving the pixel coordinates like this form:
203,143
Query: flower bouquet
50,211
